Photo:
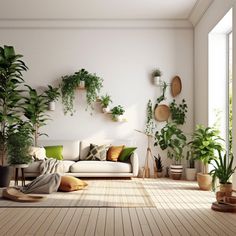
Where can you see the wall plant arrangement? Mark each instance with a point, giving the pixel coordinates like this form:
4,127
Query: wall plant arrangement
70,83
105,102
52,95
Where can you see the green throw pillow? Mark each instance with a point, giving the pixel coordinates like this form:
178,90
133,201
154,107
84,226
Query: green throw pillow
54,152
126,152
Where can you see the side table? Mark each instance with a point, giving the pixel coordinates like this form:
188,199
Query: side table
22,168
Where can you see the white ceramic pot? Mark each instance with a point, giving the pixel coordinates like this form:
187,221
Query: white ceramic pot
118,118
156,80
190,174
176,171
106,109
51,106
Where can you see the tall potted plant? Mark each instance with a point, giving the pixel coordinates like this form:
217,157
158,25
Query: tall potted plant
11,77
223,169
35,107
205,142
173,139
52,95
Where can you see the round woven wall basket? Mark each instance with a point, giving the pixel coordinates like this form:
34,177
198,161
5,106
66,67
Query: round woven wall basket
162,113
176,86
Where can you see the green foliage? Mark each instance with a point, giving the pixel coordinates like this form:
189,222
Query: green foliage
162,97
150,125
178,112
156,72
52,94
70,83
35,108
105,100
159,163
117,111
205,142
19,142
223,170
11,77
172,138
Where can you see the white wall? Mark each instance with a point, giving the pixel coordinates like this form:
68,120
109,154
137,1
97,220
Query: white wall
123,57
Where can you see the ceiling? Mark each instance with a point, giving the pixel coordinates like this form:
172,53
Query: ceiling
104,9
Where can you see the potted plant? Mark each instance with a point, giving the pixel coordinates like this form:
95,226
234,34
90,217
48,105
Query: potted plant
35,107
223,170
159,166
70,83
105,101
205,142
52,95
19,142
173,139
117,113
156,74
190,171
178,112
11,77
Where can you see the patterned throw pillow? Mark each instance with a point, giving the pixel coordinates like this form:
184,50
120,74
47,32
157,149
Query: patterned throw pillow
98,153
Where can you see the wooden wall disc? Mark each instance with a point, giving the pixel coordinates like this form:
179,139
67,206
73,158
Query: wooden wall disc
162,113
176,86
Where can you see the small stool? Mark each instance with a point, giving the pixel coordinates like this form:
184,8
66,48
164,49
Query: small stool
22,167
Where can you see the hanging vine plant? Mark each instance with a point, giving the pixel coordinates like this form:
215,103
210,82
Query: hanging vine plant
70,83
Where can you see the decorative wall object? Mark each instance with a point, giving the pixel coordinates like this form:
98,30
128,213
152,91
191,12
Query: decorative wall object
176,86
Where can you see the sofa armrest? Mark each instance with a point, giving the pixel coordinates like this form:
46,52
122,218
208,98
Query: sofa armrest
135,163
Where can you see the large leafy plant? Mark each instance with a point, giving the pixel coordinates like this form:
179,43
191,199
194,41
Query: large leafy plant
35,108
70,83
19,142
222,169
205,141
11,77
173,139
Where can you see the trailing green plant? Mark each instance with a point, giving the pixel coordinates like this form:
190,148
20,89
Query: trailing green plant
11,77
52,94
117,111
173,139
156,72
105,100
205,141
70,83
178,112
35,107
19,142
222,169
158,162
162,97
150,124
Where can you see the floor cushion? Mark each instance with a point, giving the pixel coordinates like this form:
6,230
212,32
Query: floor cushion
70,183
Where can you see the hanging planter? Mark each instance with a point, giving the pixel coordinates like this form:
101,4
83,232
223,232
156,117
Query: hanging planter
82,84
52,95
117,113
156,74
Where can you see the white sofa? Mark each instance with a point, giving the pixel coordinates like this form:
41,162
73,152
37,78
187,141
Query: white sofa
73,153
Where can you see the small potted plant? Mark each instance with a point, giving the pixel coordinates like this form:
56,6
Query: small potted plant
223,169
205,141
52,95
159,166
190,170
117,113
105,101
156,74
173,139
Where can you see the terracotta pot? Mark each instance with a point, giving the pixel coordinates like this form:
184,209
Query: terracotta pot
204,181
176,171
191,174
226,188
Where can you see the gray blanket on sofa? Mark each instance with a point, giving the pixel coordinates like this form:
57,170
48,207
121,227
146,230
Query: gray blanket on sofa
51,165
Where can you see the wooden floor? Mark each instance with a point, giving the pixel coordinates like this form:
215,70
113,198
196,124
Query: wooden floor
181,209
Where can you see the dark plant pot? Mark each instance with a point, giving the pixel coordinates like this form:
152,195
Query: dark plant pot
5,176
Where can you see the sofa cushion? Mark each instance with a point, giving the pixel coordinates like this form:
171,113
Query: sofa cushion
126,152
67,165
97,152
114,152
70,148
100,167
33,167
54,152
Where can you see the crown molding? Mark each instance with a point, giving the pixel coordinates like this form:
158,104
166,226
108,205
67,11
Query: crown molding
199,10
93,23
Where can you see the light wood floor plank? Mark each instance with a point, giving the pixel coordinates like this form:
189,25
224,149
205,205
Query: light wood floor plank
135,222
119,230
126,222
101,222
110,228
92,222
83,222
